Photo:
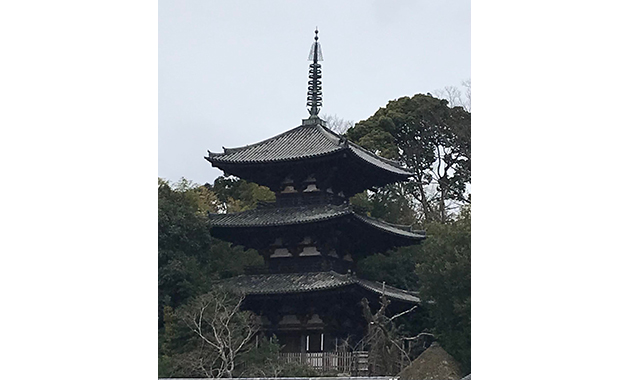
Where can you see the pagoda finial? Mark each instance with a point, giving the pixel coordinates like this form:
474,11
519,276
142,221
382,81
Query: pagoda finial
314,94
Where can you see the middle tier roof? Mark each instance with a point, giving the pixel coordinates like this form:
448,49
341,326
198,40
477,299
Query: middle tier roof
369,232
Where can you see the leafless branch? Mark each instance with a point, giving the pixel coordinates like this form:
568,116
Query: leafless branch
403,313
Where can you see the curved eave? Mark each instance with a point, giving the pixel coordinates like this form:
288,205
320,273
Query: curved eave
302,143
275,217
392,229
217,159
378,162
389,291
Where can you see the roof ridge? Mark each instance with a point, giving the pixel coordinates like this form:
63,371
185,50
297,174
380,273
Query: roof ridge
398,164
336,138
374,286
347,144
406,227
380,284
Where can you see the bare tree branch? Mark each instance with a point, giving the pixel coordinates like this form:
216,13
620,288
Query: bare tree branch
403,313
217,319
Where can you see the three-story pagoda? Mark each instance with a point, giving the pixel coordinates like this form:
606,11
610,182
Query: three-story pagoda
311,237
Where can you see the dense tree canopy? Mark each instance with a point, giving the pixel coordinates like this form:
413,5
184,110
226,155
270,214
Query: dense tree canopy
433,139
444,271
189,259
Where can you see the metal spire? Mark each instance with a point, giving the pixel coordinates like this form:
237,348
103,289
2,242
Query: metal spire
314,94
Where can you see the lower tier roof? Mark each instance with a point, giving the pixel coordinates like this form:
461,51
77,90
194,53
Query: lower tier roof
291,283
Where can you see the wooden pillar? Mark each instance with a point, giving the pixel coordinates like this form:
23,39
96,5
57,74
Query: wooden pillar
302,347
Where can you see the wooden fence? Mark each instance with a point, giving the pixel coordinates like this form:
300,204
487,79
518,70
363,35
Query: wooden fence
342,362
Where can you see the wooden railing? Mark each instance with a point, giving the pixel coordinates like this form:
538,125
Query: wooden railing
343,362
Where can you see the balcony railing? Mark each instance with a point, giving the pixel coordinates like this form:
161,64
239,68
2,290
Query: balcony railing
355,363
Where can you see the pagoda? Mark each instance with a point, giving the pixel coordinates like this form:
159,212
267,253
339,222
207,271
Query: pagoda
311,238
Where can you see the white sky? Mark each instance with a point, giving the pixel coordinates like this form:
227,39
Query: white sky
233,73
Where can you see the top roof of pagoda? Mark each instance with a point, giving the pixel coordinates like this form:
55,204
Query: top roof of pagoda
309,140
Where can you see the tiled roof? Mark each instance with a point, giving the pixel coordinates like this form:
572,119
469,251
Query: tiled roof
389,291
301,142
283,216
391,228
288,283
305,141
377,161
279,216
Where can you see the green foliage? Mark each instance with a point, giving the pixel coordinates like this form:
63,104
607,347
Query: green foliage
183,244
189,259
434,140
177,348
237,195
397,268
444,270
390,203
263,360
431,138
300,370
440,269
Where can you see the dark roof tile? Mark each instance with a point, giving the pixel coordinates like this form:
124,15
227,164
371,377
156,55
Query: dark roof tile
280,216
284,216
305,141
287,283
297,143
391,228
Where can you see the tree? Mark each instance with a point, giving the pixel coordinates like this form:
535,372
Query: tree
389,203
440,270
395,268
235,195
467,95
444,271
225,332
184,242
337,124
433,140
389,346
189,258
454,95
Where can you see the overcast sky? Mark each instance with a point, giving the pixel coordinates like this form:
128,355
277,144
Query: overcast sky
233,73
